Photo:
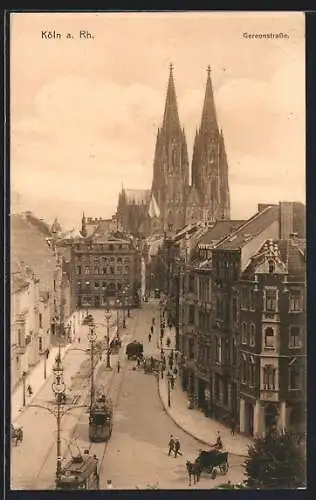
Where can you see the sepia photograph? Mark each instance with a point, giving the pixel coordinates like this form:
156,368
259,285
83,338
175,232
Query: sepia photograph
157,251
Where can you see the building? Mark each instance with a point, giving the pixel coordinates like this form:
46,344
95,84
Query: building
174,199
94,226
272,292
102,268
214,361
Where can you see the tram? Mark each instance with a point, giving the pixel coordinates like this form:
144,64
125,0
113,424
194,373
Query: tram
80,473
101,419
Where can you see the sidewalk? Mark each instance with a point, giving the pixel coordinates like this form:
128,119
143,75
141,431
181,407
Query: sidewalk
194,422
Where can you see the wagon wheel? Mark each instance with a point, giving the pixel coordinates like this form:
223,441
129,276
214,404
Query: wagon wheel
224,468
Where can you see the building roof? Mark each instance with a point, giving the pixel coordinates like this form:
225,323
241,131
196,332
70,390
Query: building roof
239,237
219,230
29,246
292,254
138,196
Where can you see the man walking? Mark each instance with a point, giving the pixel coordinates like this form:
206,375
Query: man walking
118,366
149,337
233,426
177,448
171,444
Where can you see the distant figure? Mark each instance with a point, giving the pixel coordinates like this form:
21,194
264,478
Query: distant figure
233,426
118,366
219,444
177,448
138,361
171,363
29,390
109,485
79,340
168,342
171,444
153,321
149,337
152,329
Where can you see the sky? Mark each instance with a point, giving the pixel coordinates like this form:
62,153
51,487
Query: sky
85,111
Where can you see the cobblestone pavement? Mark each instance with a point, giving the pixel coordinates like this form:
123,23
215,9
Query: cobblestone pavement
137,455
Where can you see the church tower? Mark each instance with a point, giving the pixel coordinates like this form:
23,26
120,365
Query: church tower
209,162
83,231
171,165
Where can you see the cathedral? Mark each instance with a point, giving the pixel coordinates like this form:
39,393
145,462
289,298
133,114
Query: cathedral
175,199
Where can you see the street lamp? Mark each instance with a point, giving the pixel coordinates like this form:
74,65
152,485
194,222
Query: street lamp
24,375
59,388
124,322
170,386
107,315
46,354
92,337
117,316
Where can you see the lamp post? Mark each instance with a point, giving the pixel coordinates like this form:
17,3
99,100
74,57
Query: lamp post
107,315
169,382
92,338
59,388
117,316
24,374
124,322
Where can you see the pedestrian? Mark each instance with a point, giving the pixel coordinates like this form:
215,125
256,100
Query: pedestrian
149,337
171,444
118,366
171,363
152,329
153,321
177,448
138,361
109,485
168,342
233,426
79,340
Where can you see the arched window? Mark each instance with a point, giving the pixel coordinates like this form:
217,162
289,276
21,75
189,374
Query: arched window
252,334
271,266
244,335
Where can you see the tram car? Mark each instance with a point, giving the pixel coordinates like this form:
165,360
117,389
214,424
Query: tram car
80,473
134,350
101,419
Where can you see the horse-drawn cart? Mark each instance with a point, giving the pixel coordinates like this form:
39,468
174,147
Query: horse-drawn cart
213,461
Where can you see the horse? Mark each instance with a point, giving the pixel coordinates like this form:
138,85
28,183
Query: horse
194,470
17,435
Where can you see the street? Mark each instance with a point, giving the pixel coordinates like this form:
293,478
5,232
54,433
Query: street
137,454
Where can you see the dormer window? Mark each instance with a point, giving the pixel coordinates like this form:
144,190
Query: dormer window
271,266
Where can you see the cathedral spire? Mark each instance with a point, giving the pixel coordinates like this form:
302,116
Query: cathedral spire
209,120
83,226
171,120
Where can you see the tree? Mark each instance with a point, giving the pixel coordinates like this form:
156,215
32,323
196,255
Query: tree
275,462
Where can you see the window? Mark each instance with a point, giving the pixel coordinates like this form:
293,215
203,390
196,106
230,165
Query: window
216,387
79,284
126,269
20,338
119,269
234,351
271,266
269,337
269,378
244,300
295,300
79,270
191,349
218,350
235,309
104,284
252,381
96,270
252,334
191,315
119,259
226,352
253,299
86,270
294,337
244,370
294,378
96,284
244,335
112,270
270,300
104,270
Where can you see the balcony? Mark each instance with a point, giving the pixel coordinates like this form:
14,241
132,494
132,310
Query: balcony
269,395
